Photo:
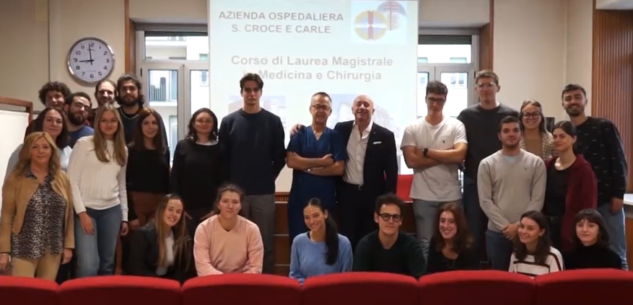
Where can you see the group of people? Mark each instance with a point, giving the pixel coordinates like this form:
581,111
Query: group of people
91,189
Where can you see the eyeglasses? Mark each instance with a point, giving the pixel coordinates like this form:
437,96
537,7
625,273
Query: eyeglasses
531,115
387,217
321,107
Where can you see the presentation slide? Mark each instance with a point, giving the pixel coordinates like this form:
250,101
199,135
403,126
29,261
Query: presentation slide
300,47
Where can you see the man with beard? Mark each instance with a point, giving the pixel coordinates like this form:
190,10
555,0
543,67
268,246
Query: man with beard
76,106
131,101
510,182
598,140
105,93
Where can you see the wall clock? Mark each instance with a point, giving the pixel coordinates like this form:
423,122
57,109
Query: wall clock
90,60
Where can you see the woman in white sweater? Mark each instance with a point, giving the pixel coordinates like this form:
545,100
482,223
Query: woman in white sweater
97,174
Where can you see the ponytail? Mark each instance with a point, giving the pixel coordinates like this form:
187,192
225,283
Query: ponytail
331,241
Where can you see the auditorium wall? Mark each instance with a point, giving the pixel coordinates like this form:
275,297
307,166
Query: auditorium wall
530,39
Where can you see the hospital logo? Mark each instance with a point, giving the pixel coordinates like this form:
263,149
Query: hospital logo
374,24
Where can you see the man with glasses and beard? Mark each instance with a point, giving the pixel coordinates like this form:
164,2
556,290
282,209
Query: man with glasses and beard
598,140
76,107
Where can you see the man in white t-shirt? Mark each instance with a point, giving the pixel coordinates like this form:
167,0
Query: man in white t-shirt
434,147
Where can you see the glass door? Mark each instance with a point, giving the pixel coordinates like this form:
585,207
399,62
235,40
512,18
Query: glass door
164,92
460,82
426,73
197,87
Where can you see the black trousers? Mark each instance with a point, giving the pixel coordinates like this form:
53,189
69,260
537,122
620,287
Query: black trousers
356,212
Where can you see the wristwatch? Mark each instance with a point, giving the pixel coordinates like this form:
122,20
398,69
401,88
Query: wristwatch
425,151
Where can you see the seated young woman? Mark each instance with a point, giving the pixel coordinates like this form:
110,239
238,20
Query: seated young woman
451,246
162,248
533,254
321,250
228,242
591,244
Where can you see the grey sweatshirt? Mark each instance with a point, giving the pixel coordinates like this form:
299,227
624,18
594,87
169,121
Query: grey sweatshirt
510,186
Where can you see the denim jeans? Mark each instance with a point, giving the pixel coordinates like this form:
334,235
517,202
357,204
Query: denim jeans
95,253
616,229
498,250
424,213
475,217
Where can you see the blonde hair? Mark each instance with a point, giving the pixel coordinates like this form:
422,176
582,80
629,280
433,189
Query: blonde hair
54,167
100,142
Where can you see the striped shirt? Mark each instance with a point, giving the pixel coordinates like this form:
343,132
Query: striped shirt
529,267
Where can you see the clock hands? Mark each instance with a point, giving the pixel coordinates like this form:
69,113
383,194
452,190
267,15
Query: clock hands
90,54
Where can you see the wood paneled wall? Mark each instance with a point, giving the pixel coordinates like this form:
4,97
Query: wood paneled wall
282,242
612,82
486,38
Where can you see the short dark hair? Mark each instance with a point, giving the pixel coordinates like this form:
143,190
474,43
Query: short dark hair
436,87
507,120
52,86
389,198
251,77
487,74
323,94
573,87
69,98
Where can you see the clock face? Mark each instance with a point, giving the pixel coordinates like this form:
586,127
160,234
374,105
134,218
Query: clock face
90,60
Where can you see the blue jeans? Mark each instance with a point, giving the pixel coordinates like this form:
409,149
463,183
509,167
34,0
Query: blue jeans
425,213
498,250
95,253
477,221
617,235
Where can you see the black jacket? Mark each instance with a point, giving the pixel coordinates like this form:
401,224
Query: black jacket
143,257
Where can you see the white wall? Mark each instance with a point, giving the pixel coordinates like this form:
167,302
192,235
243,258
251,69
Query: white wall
539,47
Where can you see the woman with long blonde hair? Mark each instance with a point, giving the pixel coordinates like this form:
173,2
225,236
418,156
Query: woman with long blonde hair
162,248
97,170
36,222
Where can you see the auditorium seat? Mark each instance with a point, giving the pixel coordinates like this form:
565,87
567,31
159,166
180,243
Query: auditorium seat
21,290
360,288
120,290
589,286
470,287
403,188
241,289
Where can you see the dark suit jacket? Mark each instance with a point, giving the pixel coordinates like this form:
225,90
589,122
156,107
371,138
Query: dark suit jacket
144,255
380,171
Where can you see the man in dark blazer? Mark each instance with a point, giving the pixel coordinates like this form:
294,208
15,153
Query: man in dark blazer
370,171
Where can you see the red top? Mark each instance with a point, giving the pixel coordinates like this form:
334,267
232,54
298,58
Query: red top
581,193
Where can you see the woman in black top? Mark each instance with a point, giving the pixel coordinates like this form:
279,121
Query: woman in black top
197,172
451,247
162,248
147,174
591,244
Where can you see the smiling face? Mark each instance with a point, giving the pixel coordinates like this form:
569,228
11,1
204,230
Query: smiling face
230,204
41,152
53,123
531,116
149,127
587,232
108,124
389,219
574,102
173,212
447,225
314,218
529,231
320,108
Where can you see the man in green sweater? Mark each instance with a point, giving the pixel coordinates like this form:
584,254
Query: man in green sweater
510,182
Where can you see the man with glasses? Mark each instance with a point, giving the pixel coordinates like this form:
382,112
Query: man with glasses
317,156
388,249
252,140
482,125
76,107
434,147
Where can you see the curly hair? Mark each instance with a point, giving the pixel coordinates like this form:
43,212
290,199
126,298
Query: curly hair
53,86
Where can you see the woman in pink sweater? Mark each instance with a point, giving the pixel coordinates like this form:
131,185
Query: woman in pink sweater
228,242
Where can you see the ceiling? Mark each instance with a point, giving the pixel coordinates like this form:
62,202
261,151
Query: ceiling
614,4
